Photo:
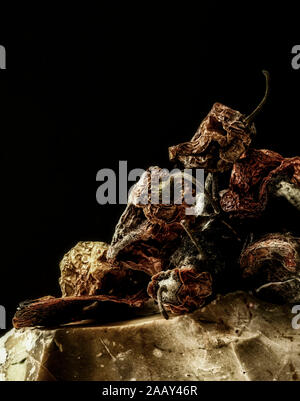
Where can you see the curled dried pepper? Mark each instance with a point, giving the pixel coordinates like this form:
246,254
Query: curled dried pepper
222,137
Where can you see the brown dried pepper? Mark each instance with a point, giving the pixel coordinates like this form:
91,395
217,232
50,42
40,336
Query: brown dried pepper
271,266
146,231
251,181
222,137
180,290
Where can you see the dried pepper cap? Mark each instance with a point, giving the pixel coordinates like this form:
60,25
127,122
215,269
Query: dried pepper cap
222,137
180,290
271,265
252,179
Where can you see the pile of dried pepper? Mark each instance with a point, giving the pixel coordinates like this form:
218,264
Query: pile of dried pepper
183,261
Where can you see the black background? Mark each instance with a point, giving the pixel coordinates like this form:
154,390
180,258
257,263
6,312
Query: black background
80,96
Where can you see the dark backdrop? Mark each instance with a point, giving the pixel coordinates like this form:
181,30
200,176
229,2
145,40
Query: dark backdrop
77,99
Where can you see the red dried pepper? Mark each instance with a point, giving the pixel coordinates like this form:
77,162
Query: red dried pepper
247,195
180,290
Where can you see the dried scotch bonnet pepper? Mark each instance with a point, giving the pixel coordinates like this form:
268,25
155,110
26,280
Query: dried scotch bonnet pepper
271,267
256,176
222,137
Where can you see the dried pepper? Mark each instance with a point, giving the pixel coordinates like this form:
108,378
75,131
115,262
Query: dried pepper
181,290
271,266
85,271
201,266
222,137
146,232
254,177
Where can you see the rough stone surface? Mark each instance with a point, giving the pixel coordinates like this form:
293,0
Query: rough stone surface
237,337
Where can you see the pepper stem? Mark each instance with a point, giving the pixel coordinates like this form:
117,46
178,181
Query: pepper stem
250,118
